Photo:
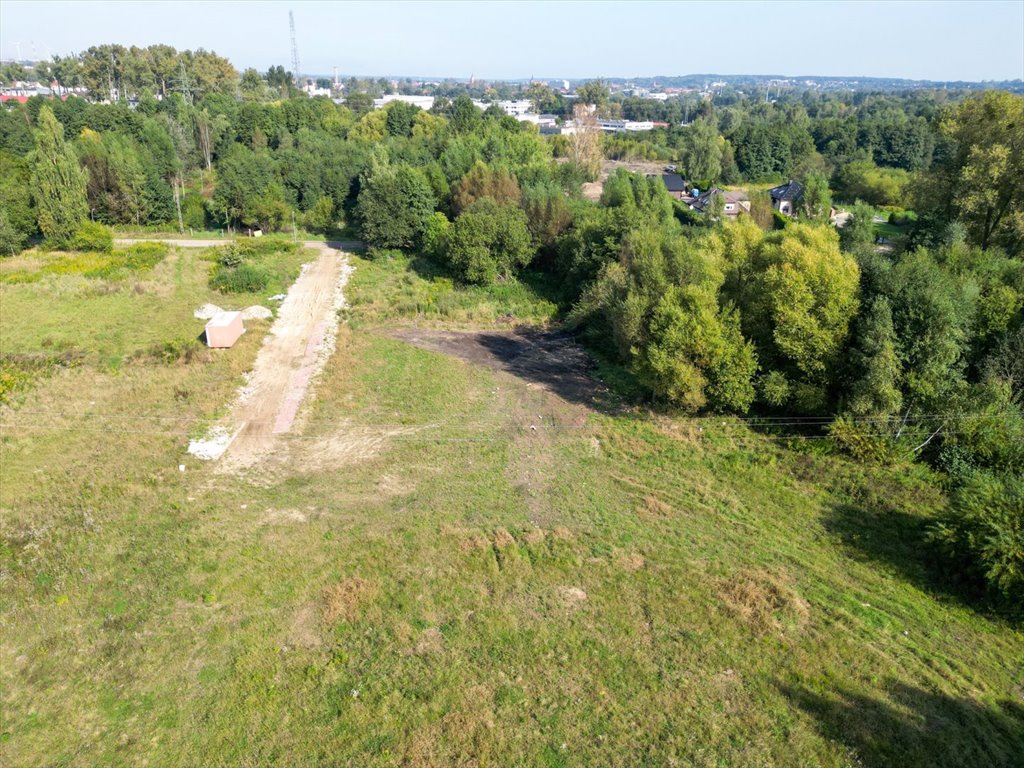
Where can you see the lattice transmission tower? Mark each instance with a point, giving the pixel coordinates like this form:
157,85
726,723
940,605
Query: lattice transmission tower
295,51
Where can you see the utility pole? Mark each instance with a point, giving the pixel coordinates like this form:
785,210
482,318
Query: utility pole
295,51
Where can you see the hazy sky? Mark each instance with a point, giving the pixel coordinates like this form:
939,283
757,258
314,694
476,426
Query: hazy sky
925,39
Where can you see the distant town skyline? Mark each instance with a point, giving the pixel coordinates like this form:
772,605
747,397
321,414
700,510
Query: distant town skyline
923,40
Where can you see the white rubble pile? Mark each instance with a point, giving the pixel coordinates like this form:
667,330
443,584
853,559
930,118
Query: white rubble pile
256,312
207,311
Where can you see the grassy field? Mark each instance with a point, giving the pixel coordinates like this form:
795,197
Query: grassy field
472,571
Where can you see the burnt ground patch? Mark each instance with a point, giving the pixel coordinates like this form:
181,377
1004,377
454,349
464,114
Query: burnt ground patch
551,359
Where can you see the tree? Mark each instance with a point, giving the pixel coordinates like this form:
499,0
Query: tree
484,181
797,295
858,233
585,142
816,203
359,103
875,365
489,241
701,153
465,117
394,205
930,313
58,182
400,118
243,178
863,180
17,217
320,217
547,212
593,92
983,533
980,178
252,85
659,306
695,355
435,236
280,80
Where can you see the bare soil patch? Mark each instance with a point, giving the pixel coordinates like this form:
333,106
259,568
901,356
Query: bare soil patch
551,360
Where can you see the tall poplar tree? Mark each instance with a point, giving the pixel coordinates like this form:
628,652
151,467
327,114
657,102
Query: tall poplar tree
58,182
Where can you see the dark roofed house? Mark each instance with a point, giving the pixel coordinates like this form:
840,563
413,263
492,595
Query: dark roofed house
786,196
674,184
733,201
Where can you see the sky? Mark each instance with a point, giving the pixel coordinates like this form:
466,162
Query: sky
926,39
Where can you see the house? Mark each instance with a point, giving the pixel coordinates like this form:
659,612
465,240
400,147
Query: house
675,185
734,201
786,196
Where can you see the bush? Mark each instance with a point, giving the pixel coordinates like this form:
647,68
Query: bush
93,236
983,533
861,442
774,389
899,218
247,278
229,256
142,256
258,247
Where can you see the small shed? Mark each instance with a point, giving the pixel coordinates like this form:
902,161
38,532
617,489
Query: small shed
224,329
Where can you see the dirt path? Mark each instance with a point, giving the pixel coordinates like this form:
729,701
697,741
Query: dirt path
293,352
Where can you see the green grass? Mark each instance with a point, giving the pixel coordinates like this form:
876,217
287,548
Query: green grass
414,288
889,231
76,302
419,600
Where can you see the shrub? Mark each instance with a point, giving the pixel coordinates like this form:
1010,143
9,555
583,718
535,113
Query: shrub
142,256
258,247
93,236
247,278
193,211
861,442
983,532
774,389
899,218
229,256
176,350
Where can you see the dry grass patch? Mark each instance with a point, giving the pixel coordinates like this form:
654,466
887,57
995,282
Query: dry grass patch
629,561
430,642
572,597
344,600
766,602
503,539
534,536
655,507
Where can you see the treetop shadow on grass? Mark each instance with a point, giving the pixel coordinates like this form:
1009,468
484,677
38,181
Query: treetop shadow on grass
917,727
886,535
551,359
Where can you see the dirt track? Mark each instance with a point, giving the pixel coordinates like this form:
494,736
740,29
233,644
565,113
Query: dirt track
293,352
